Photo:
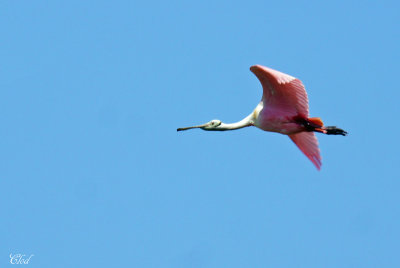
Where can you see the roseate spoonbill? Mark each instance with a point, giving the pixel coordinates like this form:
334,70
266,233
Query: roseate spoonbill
284,109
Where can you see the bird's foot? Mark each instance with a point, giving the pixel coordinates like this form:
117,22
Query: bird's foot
332,130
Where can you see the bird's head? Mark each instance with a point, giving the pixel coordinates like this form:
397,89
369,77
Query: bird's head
212,125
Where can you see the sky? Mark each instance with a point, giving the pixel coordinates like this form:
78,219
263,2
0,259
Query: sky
94,174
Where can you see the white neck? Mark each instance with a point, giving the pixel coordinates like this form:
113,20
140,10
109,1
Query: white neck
246,122
250,120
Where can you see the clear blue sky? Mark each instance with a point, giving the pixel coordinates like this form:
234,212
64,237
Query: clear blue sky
94,174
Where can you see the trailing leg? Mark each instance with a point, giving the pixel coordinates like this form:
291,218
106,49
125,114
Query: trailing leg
332,130
316,124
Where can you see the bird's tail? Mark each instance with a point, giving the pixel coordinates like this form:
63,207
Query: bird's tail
317,125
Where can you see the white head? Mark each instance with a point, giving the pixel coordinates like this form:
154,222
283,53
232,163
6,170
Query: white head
212,125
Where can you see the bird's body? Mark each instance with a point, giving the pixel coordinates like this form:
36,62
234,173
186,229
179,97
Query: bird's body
269,119
283,109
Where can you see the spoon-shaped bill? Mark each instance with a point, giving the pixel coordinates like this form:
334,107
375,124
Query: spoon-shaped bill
186,128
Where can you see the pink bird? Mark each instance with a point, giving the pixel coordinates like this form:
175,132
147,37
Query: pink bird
284,109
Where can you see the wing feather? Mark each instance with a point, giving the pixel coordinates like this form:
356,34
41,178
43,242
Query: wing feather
281,91
308,144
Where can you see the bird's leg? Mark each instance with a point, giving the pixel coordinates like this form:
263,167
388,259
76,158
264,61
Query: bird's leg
332,130
312,124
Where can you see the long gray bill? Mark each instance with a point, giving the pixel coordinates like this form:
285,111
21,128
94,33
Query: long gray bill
186,128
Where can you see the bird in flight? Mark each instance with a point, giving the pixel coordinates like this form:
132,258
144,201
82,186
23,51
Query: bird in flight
283,109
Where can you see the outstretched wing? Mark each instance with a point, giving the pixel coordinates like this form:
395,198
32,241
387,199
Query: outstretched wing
282,92
308,144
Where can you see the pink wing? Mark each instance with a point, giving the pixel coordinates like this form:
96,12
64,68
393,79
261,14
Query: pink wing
308,144
282,92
